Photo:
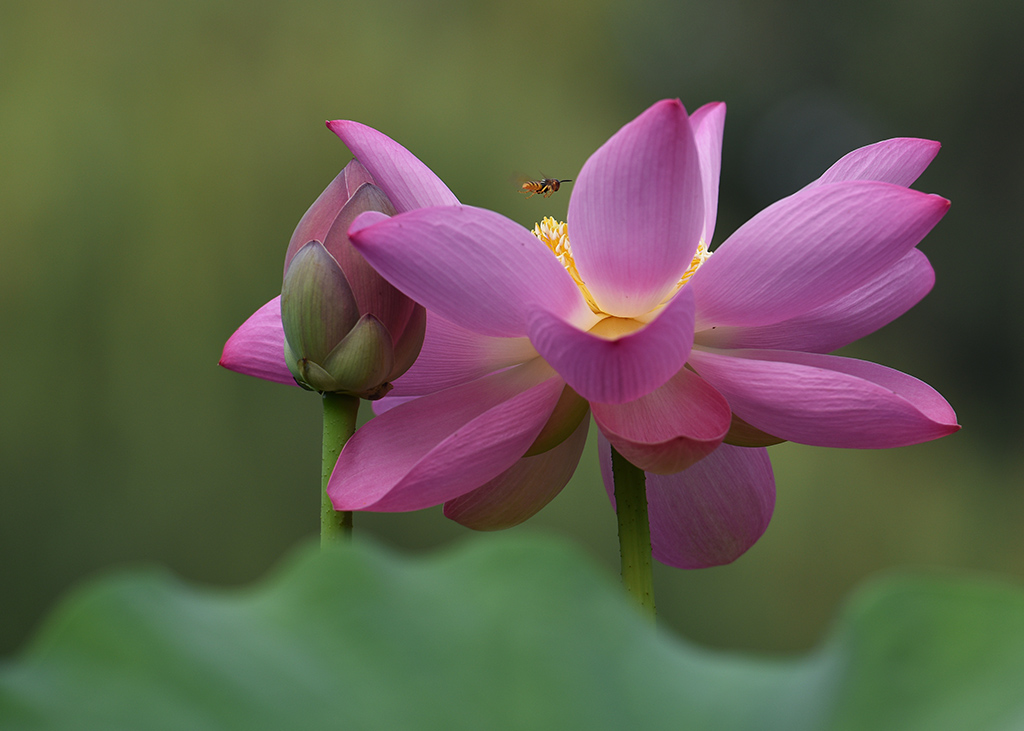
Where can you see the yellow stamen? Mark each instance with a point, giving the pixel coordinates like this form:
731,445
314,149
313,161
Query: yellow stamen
556,235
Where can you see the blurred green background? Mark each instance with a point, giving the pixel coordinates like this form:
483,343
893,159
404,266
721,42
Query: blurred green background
155,157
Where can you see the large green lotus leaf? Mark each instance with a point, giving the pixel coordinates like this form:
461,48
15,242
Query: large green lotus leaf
504,633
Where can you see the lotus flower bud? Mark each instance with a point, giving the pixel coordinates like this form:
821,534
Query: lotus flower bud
346,329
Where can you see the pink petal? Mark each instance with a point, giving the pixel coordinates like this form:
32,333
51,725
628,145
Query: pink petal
521,491
670,428
842,321
810,249
389,402
408,182
452,355
257,347
637,211
316,222
708,125
471,266
373,294
825,400
616,371
438,447
898,161
710,514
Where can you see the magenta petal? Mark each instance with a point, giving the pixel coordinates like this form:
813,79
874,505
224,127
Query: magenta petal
452,355
521,491
809,249
408,182
709,514
708,125
372,293
438,447
899,161
637,211
257,347
387,403
841,321
471,266
826,400
670,428
317,220
616,371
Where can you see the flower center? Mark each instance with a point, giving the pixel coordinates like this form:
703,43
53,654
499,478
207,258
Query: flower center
555,234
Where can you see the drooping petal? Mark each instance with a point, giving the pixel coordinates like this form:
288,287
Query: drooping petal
826,400
570,411
471,266
521,491
708,125
257,347
452,355
620,370
435,448
898,161
710,514
842,321
670,428
637,211
809,249
409,342
316,222
408,182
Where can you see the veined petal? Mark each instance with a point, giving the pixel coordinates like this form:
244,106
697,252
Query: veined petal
710,514
257,347
521,491
408,182
637,211
616,371
898,161
389,402
471,266
841,321
438,447
670,428
452,355
809,249
826,400
708,125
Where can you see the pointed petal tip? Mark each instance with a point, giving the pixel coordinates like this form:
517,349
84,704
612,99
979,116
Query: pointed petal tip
256,348
711,108
636,213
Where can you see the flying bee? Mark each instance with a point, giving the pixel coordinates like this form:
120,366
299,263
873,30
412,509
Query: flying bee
544,187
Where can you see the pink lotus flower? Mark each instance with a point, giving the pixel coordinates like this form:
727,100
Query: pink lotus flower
349,330
690,363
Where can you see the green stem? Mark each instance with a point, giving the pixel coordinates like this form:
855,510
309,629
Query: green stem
339,424
634,532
